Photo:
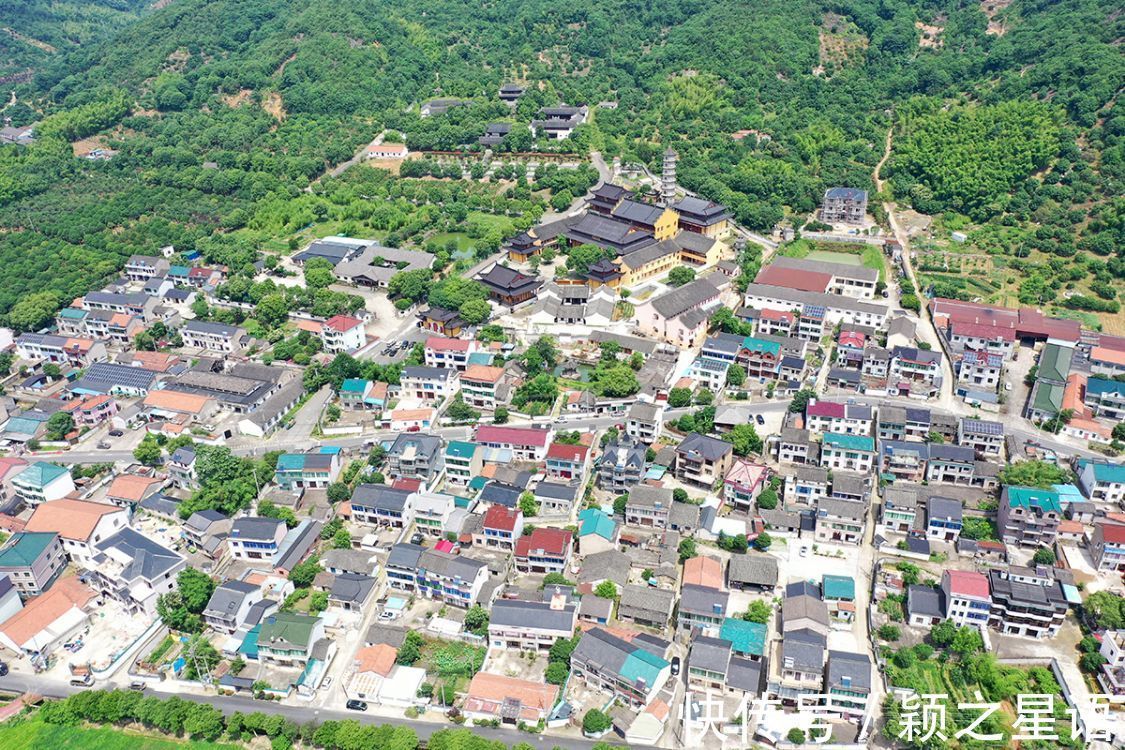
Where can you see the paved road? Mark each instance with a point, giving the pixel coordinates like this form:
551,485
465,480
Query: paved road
300,714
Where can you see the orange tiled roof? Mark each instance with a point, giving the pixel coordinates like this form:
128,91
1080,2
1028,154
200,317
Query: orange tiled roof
70,519
379,659
130,487
703,571
41,611
175,401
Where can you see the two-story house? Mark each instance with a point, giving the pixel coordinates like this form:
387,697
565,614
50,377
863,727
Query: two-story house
288,638
313,470
500,528
531,626
230,605
81,526
380,505
213,337
256,538
851,452
566,461
984,436
526,443
544,550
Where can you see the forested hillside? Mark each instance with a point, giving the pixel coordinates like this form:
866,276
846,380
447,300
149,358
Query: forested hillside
220,108
32,32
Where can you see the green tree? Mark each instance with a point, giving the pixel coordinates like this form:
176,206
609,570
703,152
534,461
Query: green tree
303,573
763,542
767,499
1105,609
476,620
196,588
1044,556
59,425
556,673
680,275
500,416
529,506
796,735
801,400
679,398
745,439
619,504
411,649
686,549
475,311
342,539
148,451
33,311
606,590
595,722
759,612
888,632
736,376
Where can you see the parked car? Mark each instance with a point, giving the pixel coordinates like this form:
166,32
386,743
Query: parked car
116,433
103,446
354,705
3,668
675,665
417,538
760,419
138,685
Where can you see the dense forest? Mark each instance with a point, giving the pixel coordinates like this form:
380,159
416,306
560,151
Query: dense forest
225,113
34,31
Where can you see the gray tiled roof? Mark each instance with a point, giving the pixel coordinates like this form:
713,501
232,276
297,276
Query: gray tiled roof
540,615
924,600
710,654
848,671
756,570
711,449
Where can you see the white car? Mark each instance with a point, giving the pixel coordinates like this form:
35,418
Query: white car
804,552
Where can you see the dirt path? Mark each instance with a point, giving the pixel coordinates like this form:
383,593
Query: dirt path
927,330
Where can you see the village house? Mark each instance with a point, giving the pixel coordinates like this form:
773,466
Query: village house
544,550
850,452
80,525
1029,516
703,460
429,384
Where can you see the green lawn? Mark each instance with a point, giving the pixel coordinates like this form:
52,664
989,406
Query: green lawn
856,254
829,256
33,734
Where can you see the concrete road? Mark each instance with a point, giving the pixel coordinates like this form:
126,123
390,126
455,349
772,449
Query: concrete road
297,713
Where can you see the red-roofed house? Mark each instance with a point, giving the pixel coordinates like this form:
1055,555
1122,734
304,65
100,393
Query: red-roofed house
544,550
967,597
526,443
508,699
744,482
500,528
566,461
844,419
778,322
92,410
981,337
1107,545
343,333
450,353
792,278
